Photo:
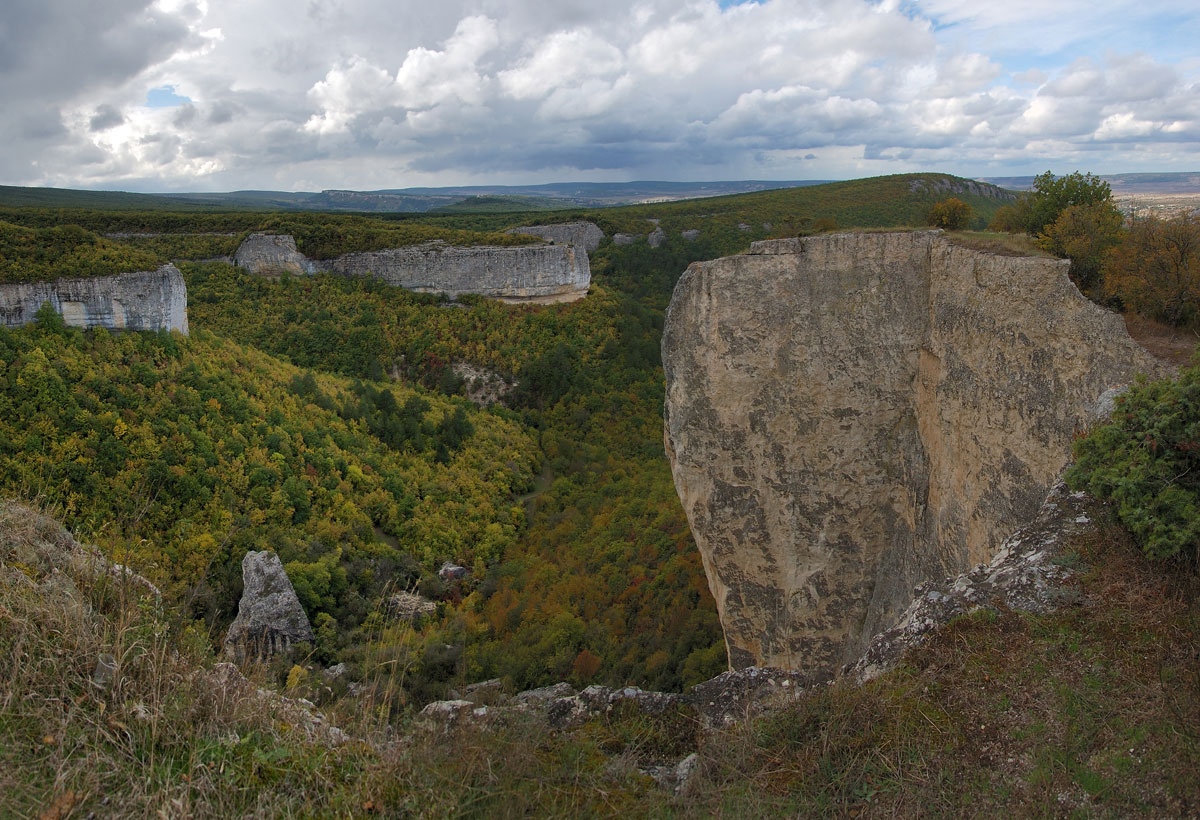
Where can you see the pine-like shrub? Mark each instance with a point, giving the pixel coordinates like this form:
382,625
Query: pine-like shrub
1146,462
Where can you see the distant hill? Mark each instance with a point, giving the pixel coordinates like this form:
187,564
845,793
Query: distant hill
400,200
1183,182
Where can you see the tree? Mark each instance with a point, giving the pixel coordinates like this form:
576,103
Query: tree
1052,195
1012,218
1083,234
951,214
1156,270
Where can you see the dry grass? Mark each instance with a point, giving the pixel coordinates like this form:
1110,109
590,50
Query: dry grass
1171,344
998,243
1093,711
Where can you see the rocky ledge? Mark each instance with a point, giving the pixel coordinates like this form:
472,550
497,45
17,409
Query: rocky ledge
539,274
586,235
142,300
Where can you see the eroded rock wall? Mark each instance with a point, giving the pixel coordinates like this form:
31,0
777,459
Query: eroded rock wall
523,273
543,274
144,300
586,235
266,254
850,415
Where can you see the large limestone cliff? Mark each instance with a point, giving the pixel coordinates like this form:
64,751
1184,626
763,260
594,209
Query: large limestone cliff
853,414
542,274
144,300
522,273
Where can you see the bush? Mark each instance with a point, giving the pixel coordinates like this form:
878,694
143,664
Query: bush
1083,234
1146,461
951,214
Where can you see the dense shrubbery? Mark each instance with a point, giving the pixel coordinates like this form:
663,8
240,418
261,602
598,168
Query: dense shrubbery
1147,462
951,214
30,254
1156,270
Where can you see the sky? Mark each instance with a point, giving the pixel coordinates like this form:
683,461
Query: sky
218,95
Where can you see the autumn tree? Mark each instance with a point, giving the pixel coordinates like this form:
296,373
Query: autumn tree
1156,270
1083,234
951,214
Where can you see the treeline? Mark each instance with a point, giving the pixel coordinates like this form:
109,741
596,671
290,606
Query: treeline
174,235
1147,264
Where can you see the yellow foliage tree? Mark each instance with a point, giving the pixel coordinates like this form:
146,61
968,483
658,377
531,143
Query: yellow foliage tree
1156,270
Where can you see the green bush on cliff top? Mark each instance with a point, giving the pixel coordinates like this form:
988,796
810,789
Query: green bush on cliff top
1147,462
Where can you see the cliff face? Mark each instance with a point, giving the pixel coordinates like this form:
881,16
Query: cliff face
263,253
146,300
853,414
527,273
586,235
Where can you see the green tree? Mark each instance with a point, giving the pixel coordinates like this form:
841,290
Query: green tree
1052,195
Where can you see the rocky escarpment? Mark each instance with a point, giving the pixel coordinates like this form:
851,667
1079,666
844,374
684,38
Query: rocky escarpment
266,254
948,186
586,235
542,274
524,273
143,300
850,415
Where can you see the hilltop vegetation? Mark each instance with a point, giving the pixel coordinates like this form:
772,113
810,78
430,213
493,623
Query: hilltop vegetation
30,254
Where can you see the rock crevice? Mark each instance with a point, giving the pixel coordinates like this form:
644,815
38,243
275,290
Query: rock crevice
850,415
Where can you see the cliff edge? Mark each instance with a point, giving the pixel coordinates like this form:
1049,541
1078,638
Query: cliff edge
850,415
142,300
539,274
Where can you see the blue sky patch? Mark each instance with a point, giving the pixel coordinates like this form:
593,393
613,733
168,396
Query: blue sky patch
164,96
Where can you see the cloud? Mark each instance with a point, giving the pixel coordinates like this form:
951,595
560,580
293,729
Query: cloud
365,93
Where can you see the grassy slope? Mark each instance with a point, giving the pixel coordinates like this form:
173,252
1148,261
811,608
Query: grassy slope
1093,711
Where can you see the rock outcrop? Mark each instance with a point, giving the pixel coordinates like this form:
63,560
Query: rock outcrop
270,619
947,186
142,300
1026,575
541,274
850,415
268,254
586,235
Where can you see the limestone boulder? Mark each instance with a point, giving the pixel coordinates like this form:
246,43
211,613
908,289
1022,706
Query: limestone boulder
270,619
268,254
